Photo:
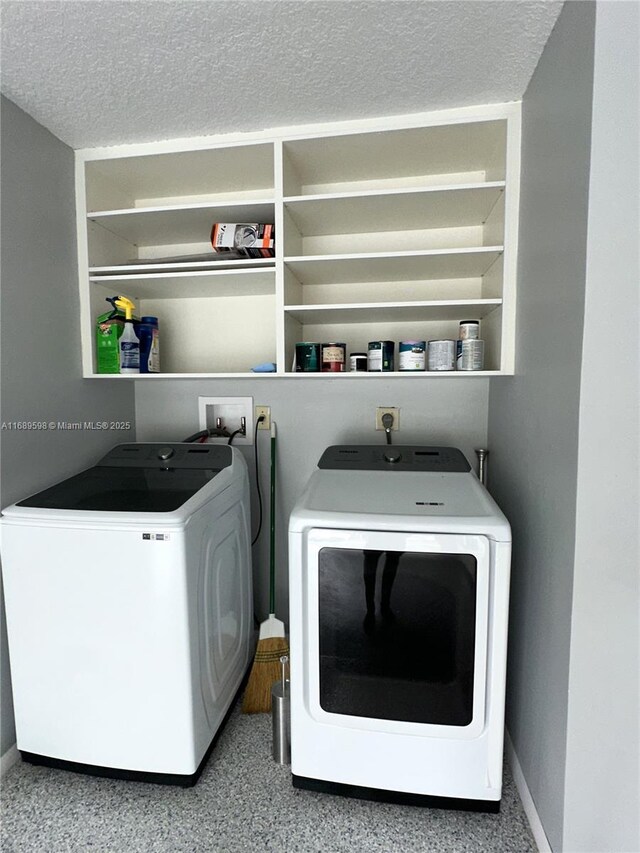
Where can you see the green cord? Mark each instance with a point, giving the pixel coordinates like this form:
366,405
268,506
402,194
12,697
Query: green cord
272,554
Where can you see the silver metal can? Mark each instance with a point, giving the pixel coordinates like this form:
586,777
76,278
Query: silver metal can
470,355
442,355
469,330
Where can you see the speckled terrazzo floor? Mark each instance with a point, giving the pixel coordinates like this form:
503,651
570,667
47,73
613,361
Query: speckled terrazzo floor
243,803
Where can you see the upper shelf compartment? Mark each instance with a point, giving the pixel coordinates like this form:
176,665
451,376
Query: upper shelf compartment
465,153
233,174
176,223
163,206
395,210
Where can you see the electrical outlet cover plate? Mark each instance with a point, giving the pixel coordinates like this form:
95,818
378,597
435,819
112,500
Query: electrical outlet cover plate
230,409
392,410
266,411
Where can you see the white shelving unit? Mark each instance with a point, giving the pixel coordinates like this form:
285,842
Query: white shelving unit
393,229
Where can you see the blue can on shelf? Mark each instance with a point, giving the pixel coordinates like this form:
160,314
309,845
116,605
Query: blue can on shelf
149,336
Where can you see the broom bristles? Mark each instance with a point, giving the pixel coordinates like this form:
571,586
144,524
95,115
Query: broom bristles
265,671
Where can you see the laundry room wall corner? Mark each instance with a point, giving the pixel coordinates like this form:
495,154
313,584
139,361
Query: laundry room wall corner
602,781
534,415
42,384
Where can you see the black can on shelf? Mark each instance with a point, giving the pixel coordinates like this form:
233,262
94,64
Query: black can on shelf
358,362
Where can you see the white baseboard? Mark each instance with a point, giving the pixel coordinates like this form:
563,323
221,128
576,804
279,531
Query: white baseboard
529,806
10,758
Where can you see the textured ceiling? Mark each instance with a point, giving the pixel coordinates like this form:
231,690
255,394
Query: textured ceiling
105,72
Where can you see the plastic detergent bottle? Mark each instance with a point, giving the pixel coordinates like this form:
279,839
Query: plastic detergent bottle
109,328
129,343
149,335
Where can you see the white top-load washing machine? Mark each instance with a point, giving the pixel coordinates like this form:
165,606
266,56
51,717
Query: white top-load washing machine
128,594
399,565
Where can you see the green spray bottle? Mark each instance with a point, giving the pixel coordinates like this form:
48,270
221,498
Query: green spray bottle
109,327
129,343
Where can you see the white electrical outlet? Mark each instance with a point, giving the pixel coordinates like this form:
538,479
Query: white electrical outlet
230,410
266,411
391,410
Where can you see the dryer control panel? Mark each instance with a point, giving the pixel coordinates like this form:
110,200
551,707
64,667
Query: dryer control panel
389,457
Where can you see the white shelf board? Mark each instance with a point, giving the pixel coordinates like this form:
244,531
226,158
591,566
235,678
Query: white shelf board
394,266
238,282
460,374
189,223
132,270
155,377
394,210
405,312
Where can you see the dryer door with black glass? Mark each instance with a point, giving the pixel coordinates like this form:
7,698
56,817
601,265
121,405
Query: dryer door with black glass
398,626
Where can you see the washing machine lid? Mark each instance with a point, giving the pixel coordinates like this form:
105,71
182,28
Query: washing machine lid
139,478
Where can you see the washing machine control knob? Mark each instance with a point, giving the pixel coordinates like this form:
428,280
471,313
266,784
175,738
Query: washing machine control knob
392,456
165,453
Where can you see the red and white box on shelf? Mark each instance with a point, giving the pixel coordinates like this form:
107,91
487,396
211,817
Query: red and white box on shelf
251,239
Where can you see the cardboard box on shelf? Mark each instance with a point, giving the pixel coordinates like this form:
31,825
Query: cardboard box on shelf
252,239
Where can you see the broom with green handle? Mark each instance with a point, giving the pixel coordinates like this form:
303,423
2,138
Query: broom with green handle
272,643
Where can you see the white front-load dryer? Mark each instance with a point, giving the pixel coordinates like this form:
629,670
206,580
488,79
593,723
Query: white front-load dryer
399,565
128,594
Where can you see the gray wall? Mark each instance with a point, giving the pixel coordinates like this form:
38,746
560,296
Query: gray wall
534,416
311,415
602,796
41,374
